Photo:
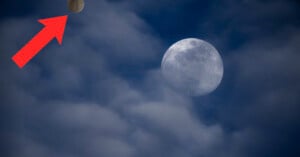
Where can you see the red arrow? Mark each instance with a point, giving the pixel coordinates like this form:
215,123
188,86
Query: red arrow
54,28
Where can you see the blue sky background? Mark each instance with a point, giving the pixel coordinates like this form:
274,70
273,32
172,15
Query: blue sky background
101,93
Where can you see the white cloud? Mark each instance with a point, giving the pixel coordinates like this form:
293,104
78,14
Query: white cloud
90,118
178,121
73,94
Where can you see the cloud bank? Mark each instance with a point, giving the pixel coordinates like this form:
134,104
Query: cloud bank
101,93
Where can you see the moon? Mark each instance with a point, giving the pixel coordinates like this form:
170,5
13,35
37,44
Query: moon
192,66
76,6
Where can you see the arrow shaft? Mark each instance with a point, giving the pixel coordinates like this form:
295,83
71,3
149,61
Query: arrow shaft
54,28
33,47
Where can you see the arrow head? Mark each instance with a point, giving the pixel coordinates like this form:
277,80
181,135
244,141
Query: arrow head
56,26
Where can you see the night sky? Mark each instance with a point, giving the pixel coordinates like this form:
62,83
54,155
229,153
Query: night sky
101,93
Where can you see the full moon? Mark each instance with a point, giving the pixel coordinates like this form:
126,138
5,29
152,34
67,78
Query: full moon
76,6
192,66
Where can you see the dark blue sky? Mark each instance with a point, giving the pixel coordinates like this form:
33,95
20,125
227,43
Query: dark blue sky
101,93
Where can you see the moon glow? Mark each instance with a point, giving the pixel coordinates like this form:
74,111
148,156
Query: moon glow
76,6
192,66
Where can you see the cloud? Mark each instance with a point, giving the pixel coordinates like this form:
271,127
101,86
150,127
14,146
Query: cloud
268,68
263,96
178,122
73,100
93,117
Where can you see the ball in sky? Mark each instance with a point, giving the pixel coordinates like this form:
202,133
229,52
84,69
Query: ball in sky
76,6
